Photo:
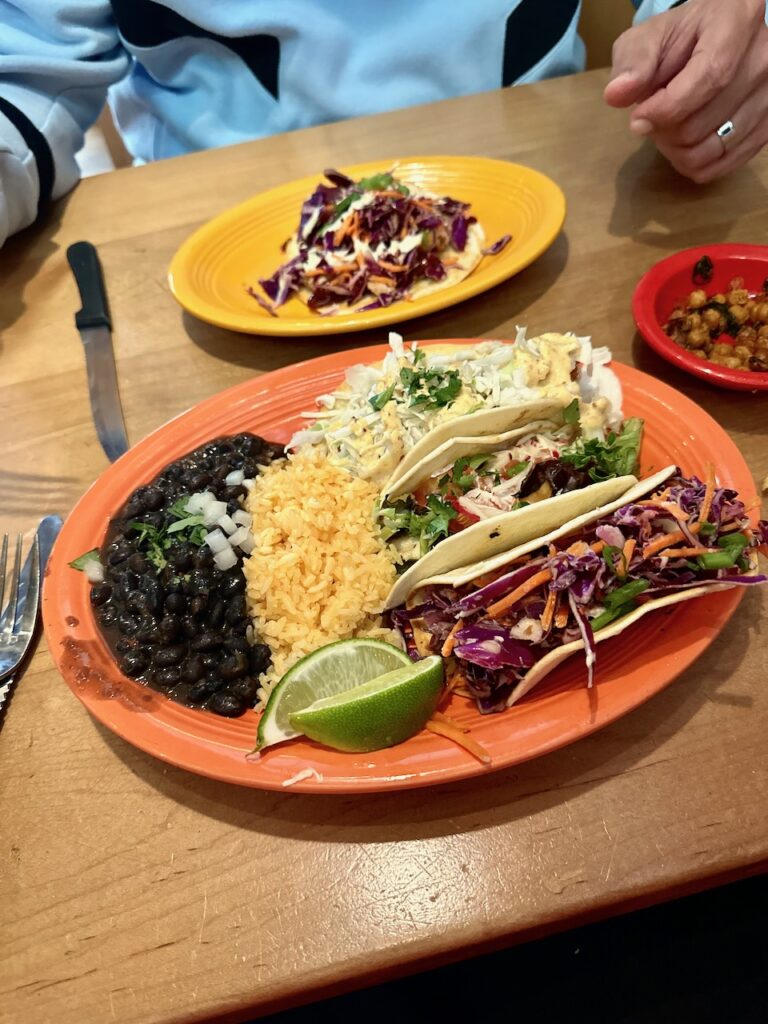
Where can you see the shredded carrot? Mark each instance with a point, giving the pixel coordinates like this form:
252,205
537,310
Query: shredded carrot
562,614
549,610
598,546
629,549
709,494
390,193
667,540
378,279
450,641
450,732
393,268
438,716
519,592
579,548
316,272
730,527
449,261
552,550
687,552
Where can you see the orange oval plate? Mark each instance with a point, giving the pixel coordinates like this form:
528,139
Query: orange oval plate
557,712
211,270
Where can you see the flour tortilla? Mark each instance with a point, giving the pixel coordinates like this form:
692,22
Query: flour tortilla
506,537
549,662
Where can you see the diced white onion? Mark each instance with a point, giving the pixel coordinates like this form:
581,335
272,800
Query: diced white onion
225,559
217,542
214,511
197,503
235,478
241,534
249,484
94,570
247,545
242,518
227,524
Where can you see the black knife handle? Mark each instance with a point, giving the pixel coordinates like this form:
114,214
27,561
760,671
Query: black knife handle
84,261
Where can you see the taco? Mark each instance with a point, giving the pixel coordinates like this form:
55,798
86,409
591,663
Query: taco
476,497
386,418
507,621
361,245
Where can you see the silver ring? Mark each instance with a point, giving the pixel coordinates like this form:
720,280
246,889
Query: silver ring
724,132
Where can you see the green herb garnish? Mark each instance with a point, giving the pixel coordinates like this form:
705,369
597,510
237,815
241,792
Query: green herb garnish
82,561
379,401
617,455
571,412
430,388
427,526
464,472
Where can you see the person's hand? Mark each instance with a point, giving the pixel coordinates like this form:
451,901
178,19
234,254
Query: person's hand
691,71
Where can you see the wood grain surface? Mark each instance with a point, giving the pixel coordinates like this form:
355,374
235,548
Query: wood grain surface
134,892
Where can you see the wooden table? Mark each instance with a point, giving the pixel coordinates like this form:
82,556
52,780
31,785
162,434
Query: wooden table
137,893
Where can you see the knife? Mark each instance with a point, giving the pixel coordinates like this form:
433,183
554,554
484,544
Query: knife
47,532
95,327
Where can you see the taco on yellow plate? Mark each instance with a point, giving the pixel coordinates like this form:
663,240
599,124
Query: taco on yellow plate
361,245
507,621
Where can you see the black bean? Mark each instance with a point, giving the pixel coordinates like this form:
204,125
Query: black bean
235,608
245,689
241,627
126,643
175,603
107,616
200,482
203,558
170,628
170,655
192,670
237,643
118,552
216,615
137,602
167,676
210,663
100,594
250,468
260,658
233,583
206,642
138,563
149,634
234,494
134,507
234,666
198,605
189,628
227,704
133,663
128,624
197,693
181,558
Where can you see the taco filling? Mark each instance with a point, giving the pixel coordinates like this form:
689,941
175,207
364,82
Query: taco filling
372,242
496,628
535,466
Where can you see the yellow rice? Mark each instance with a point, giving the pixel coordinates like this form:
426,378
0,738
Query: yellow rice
319,571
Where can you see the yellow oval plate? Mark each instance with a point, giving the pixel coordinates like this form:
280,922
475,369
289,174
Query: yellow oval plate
211,270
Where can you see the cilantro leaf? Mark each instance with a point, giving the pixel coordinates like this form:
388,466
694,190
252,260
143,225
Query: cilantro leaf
379,401
571,412
430,388
616,456
465,470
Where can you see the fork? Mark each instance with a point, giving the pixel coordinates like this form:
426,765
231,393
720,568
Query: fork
17,625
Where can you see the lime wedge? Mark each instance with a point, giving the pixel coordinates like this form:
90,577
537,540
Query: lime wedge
330,670
380,713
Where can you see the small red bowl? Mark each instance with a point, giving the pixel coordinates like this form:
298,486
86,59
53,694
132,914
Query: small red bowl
670,280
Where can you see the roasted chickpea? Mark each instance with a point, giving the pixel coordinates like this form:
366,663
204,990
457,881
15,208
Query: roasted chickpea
751,307
712,319
742,353
697,299
692,322
747,336
739,314
761,313
718,298
762,332
722,349
698,337
732,362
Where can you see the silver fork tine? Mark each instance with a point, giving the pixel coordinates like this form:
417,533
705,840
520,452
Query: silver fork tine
3,563
10,611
